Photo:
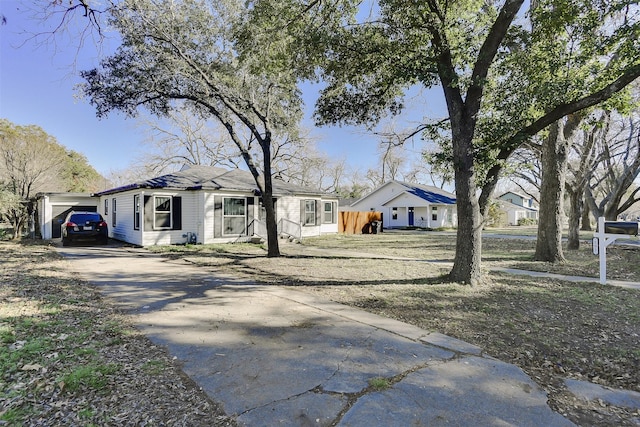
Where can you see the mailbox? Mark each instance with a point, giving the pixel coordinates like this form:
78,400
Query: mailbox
621,227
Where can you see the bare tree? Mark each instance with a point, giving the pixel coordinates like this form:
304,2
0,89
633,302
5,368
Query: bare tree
299,161
524,169
611,188
354,186
184,138
583,160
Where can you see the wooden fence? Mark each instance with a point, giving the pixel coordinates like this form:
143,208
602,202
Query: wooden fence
359,222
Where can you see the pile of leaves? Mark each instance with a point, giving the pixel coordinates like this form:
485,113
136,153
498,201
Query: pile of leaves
67,357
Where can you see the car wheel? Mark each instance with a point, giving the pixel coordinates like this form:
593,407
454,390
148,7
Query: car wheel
66,242
105,241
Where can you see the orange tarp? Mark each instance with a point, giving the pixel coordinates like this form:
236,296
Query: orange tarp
357,222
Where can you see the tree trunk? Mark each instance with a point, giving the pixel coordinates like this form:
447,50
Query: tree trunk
466,264
575,212
273,246
17,222
586,216
554,169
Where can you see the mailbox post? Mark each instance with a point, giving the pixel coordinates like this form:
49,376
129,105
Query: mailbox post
608,232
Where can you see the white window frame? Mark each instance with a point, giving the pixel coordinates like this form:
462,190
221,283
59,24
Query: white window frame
113,212
136,212
309,212
326,212
156,212
225,216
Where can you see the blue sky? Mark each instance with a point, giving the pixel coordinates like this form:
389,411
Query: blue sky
37,87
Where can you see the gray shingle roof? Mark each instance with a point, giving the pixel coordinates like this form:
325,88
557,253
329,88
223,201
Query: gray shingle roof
212,178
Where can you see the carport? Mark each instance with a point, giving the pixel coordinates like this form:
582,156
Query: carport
52,208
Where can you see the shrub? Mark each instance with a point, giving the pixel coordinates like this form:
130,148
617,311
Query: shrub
527,221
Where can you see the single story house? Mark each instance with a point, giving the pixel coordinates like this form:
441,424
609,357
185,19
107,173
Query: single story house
518,206
202,204
410,205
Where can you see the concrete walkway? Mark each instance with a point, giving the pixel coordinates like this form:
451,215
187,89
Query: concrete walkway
279,357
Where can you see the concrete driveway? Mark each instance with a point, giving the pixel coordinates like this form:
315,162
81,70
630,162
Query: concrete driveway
272,356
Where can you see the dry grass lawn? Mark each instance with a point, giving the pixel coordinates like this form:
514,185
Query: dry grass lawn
68,358
552,329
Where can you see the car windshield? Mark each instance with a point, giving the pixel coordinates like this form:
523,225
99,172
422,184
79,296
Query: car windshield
84,218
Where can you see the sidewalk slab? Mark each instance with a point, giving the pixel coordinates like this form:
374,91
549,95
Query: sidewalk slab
470,391
589,391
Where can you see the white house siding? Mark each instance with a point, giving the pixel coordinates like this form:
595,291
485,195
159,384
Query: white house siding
402,203
422,212
205,233
198,210
191,216
122,217
123,229
515,215
288,214
288,208
518,206
315,229
189,209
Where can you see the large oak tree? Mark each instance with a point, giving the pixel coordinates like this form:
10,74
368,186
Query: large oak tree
469,49
189,52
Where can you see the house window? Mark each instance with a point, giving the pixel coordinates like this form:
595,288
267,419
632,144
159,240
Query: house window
309,212
434,213
162,212
106,206
136,212
234,215
394,213
329,213
113,213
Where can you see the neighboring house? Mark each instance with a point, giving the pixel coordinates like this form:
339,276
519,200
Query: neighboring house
518,206
410,205
204,204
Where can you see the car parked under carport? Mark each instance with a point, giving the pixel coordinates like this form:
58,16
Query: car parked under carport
84,226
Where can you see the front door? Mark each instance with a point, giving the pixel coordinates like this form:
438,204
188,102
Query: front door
410,217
